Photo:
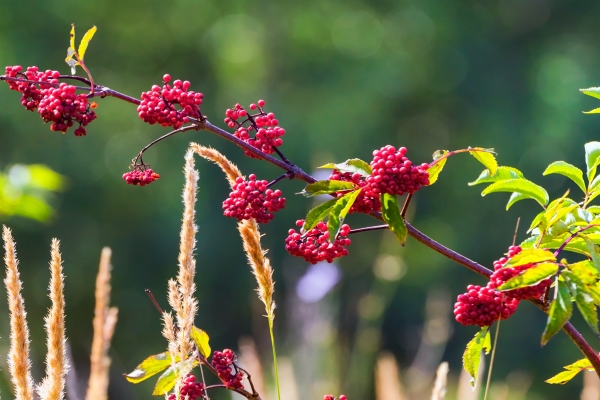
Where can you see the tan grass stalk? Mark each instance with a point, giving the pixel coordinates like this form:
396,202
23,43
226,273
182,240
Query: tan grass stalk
105,319
261,267
19,364
230,169
53,385
441,381
387,378
169,332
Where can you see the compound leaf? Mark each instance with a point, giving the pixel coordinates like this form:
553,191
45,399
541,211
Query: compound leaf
571,370
327,187
338,213
354,165
530,256
523,186
502,174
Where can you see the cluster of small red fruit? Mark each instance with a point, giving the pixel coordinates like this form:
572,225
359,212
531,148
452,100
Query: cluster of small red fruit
56,103
484,305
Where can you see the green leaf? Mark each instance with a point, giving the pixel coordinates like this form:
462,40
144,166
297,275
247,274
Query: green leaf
472,354
390,211
530,256
592,158
40,176
149,367
561,309
486,157
435,170
327,187
587,308
584,271
531,276
318,214
354,166
594,209
201,339
524,186
338,213
571,371
593,91
166,381
502,174
594,252
568,170
515,197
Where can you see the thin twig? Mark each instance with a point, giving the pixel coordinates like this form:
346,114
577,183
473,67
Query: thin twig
406,204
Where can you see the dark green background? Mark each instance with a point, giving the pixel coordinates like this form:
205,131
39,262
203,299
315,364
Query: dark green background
343,78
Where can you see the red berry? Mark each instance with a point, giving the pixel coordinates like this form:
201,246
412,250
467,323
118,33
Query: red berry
63,107
483,305
166,78
140,176
190,389
223,361
315,245
393,173
261,103
252,199
366,202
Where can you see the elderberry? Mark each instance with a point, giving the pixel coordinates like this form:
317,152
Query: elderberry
366,201
140,176
253,199
190,390
394,173
223,361
315,245
483,305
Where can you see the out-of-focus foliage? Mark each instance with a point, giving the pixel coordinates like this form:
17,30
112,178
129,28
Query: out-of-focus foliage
344,78
25,190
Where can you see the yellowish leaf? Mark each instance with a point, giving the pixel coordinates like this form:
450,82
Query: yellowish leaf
85,41
72,46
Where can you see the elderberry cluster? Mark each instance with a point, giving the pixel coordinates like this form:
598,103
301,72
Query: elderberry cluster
393,173
484,305
158,104
330,397
253,199
366,201
268,133
223,361
315,245
140,176
59,105
190,390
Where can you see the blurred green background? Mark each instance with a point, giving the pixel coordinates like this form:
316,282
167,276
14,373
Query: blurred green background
343,78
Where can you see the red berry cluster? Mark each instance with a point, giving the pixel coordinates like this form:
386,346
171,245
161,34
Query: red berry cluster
501,275
483,305
330,397
223,361
31,94
393,173
314,245
190,390
268,133
62,106
140,176
366,202
158,104
253,199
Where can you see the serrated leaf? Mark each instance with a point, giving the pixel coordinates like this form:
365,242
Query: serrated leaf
594,209
571,370
530,256
592,158
524,186
584,271
150,367
486,157
318,214
537,221
327,187
166,381
561,213
435,170
472,355
515,197
390,211
354,166
587,308
85,41
201,340
561,310
338,213
502,174
568,170
593,91
531,276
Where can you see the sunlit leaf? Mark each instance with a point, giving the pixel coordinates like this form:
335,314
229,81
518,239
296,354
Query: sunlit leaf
390,211
594,209
166,381
593,91
530,256
594,251
435,170
472,355
85,41
594,111
72,37
32,207
150,367
354,166
327,187
584,271
502,174
568,170
521,186
486,157
338,213
531,276
515,197
561,310
571,371
201,340
587,308
592,158
318,214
